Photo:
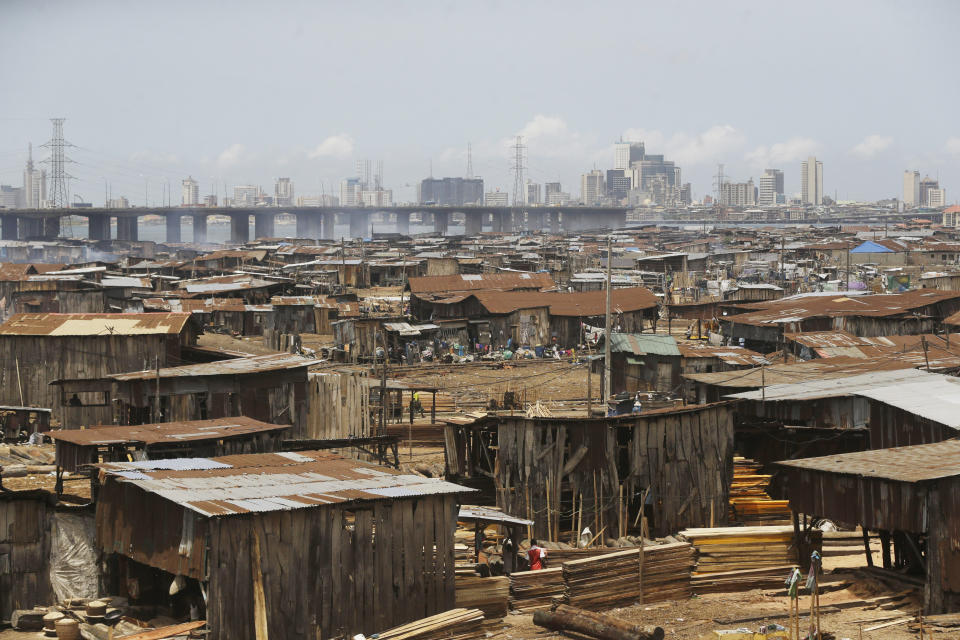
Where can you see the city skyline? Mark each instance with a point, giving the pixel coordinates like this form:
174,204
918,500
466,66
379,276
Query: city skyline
165,126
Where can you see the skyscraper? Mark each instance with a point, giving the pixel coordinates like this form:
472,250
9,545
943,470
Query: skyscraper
245,195
811,181
936,198
190,196
771,187
626,153
592,187
351,191
911,188
533,192
926,186
451,191
283,192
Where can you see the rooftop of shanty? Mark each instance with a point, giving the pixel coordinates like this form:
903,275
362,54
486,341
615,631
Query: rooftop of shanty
797,308
733,355
195,305
575,304
829,344
506,281
165,432
232,485
232,367
916,463
93,324
821,368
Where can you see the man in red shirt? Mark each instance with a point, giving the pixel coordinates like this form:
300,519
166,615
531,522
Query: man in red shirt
536,554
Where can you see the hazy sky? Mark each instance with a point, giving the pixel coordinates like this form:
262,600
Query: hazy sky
237,92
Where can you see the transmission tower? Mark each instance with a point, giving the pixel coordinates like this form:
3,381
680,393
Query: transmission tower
518,152
469,161
718,183
59,194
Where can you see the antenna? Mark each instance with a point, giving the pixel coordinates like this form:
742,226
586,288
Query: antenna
469,161
518,151
59,194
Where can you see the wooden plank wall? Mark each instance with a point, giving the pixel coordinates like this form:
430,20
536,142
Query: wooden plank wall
338,406
331,571
24,553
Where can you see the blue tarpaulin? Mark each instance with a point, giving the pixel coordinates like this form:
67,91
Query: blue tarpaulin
871,247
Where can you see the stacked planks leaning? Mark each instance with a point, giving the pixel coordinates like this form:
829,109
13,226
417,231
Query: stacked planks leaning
666,572
750,504
536,590
490,595
455,624
741,558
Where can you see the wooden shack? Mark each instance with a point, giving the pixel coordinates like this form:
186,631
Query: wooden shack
39,348
910,495
567,472
286,545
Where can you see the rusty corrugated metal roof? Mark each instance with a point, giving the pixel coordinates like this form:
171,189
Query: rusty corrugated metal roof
232,485
93,324
469,282
916,463
234,366
169,432
734,355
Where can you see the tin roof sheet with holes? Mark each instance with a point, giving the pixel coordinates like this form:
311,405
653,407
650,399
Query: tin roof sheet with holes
93,324
472,282
232,485
829,368
489,514
166,432
916,463
729,355
234,366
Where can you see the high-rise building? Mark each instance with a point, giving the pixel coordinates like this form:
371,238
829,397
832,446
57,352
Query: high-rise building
190,196
655,176
363,173
210,200
592,187
771,187
911,188
936,198
811,181
350,192
377,197
626,153
927,185
549,189
118,203
686,193
618,183
496,199
245,195
738,194
10,197
533,192
451,191
283,192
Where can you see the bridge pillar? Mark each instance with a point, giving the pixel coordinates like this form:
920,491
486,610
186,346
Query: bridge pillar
127,228
534,221
359,224
472,223
98,226
403,222
326,225
308,224
554,217
29,227
441,222
51,227
173,227
200,228
240,227
263,225
9,228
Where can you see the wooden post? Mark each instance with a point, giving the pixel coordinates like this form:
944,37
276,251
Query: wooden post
433,408
596,510
866,546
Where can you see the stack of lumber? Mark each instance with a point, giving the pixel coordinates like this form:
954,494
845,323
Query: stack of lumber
536,590
490,595
557,557
424,434
603,582
750,504
666,571
741,558
456,624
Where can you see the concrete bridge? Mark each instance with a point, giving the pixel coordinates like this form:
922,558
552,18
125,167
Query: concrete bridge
312,222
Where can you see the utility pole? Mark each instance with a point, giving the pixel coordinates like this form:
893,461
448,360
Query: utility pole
607,386
923,341
848,268
783,267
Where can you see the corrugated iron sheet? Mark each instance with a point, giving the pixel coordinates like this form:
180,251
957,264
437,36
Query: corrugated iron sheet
172,432
916,463
232,485
234,366
640,344
838,387
93,324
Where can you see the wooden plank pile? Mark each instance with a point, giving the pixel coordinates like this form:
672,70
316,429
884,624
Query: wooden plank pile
750,504
536,590
603,582
490,595
424,434
741,558
455,624
666,571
